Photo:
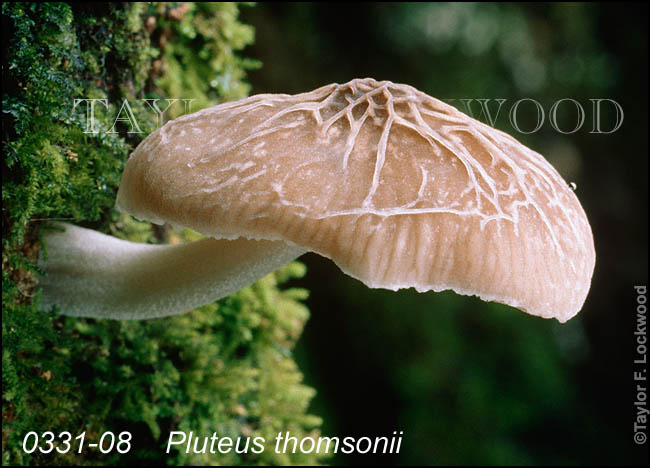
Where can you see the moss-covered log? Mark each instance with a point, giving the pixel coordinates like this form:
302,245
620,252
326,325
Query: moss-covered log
225,368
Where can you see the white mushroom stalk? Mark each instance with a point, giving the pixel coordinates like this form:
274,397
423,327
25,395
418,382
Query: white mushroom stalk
91,274
398,188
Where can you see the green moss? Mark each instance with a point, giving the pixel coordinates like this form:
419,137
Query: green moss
224,368
199,54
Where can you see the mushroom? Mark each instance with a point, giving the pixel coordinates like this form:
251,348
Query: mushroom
398,188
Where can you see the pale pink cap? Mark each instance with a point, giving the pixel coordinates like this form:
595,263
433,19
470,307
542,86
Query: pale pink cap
398,188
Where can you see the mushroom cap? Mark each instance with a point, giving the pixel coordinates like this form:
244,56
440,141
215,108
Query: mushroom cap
398,188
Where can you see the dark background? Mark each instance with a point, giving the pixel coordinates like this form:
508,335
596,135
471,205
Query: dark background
471,382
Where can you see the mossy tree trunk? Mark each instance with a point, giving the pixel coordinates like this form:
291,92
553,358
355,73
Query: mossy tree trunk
224,368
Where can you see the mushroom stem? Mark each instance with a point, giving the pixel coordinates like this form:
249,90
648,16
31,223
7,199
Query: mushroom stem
90,274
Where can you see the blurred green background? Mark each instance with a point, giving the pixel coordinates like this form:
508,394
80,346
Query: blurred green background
470,382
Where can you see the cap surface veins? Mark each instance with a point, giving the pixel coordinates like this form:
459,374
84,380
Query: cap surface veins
363,156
